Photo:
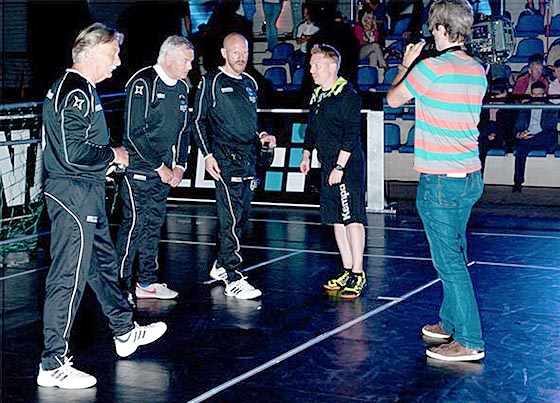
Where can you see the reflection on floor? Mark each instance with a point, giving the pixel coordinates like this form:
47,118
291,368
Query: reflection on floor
296,343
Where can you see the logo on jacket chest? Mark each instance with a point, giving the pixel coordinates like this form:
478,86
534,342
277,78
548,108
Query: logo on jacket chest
252,95
183,105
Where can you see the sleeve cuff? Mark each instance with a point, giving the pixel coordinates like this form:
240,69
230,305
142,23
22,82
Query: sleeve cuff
161,166
208,156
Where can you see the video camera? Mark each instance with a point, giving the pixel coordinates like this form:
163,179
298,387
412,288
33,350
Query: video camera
492,41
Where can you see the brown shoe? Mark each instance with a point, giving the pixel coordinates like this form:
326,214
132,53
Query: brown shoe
435,331
454,351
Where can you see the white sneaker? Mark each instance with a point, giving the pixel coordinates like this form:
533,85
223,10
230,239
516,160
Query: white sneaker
218,273
139,336
155,290
65,377
242,289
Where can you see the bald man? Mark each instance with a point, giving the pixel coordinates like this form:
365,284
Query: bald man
226,131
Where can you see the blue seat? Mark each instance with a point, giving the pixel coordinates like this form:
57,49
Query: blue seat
297,80
388,78
400,27
394,52
499,152
367,78
529,25
277,76
279,55
408,147
392,137
554,27
525,48
537,153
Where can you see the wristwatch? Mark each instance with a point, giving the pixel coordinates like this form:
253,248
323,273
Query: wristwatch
339,167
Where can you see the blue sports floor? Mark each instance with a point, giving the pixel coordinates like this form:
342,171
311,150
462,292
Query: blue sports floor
297,344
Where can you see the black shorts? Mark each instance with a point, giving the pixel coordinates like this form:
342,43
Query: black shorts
344,203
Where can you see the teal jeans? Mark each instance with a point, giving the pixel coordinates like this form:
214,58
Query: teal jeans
444,205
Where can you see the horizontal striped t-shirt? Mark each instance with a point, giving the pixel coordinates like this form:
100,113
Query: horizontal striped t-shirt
448,91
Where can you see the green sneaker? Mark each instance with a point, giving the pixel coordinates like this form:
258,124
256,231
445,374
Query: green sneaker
354,286
335,284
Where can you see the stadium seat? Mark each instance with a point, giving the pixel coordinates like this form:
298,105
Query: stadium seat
388,78
279,55
529,25
554,27
277,76
408,147
392,137
367,78
499,152
399,28
297,80
525,48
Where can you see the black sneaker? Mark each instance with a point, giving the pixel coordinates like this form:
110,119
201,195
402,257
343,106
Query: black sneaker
354,286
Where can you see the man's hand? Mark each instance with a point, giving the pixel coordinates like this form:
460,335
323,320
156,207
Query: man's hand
121,158
335,177
411,53
165,174
268,138
305,163
212,167
177,177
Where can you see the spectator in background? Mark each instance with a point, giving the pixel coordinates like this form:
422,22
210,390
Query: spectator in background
554,87
535,72
272,10
186,20
305,31
368,34
296,14
249,9
495,124
535,129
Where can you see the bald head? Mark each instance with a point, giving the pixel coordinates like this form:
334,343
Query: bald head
235,52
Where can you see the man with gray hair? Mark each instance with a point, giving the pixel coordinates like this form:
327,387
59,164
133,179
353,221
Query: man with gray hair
76,157
157,137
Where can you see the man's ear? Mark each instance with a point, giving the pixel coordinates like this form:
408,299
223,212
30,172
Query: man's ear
223,51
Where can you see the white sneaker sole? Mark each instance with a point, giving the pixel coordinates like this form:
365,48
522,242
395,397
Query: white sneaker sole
48,381
127,350
144,295
471,357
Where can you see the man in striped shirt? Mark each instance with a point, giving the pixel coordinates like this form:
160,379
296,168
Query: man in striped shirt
448,90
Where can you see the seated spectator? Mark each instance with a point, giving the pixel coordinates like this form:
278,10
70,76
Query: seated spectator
368,34
535,129
554,87
535,72
495,124
305,31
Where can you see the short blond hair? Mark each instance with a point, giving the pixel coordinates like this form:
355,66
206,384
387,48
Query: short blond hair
327,51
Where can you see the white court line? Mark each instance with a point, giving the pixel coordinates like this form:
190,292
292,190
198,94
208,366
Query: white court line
266,262
478,233
308,344
23,273
515,265
320,252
